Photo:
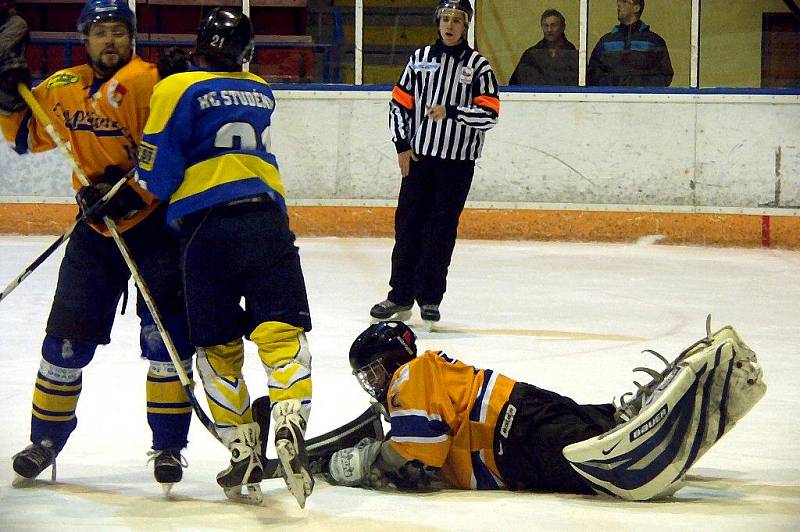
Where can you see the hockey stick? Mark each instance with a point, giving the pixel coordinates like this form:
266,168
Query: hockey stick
42,117
60,240
320,448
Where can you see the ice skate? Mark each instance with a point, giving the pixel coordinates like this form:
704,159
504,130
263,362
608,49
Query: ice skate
290,445
387,310
245,470
430,315
673,420
167,467
31,461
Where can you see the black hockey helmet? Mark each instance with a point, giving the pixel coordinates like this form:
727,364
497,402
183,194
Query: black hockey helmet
378,352
460,5
225,36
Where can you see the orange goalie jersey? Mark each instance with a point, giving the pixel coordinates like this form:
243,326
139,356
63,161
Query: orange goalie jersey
443,413
102,123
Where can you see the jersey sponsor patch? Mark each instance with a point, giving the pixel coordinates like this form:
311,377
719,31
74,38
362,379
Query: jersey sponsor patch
147,155
61,79
426,66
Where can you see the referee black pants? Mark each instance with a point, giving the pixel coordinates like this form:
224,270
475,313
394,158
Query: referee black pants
431,199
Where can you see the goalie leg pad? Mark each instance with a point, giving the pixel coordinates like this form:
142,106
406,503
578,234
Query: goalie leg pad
710,389
220,369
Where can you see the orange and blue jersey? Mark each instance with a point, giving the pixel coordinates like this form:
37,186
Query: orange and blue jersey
103,122
207,141
443,413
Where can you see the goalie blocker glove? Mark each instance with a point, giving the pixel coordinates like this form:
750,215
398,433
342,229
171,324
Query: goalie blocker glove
355,466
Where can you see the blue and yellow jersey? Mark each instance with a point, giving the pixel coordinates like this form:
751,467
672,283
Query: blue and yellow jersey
103,122
443,413
207,141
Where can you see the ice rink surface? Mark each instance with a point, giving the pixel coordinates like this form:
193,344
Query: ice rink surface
572,318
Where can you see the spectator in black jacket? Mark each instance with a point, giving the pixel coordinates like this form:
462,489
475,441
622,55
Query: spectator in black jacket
551,61
630,55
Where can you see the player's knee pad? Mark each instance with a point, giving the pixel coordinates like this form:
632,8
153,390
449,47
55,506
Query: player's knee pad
705,392
284,352
153,347
64,353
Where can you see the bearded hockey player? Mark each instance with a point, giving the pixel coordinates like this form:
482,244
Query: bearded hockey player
476,429
100,109
207,150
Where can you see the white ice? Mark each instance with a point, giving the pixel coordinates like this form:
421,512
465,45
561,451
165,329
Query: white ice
572,318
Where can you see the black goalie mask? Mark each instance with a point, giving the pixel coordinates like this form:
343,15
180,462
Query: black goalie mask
378,352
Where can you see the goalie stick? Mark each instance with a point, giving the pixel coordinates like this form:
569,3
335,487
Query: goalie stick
60,240
320,448
187,384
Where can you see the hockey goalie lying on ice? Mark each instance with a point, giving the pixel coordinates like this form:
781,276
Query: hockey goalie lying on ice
476,429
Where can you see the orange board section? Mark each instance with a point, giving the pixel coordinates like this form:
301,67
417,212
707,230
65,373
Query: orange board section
735,230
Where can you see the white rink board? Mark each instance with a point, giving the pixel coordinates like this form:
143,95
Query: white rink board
632,149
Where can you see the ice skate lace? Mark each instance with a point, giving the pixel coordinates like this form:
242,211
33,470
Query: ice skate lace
168,455
629,408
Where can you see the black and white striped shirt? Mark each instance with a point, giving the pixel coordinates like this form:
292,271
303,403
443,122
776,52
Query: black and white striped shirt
463,81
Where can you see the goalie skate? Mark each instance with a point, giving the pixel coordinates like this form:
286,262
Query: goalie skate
245,470
291,448
673,420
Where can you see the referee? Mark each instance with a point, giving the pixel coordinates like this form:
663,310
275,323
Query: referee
442,106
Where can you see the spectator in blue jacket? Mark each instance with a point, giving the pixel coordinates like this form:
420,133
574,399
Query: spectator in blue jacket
630,55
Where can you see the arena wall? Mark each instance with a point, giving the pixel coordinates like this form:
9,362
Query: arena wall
682,167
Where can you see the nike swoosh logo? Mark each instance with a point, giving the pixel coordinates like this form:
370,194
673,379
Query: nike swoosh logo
606,452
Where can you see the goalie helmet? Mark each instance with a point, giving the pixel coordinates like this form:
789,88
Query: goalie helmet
104,10
225,36
460,5
378,352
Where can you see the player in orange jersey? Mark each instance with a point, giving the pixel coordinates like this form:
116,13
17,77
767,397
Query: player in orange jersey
100,109
476,429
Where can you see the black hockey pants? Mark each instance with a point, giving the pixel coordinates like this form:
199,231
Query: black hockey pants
530,436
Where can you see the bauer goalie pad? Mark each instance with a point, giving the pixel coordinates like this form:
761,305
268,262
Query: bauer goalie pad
320,448
683,413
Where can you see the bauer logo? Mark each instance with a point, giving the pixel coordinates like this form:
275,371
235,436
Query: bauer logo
650,424
508,420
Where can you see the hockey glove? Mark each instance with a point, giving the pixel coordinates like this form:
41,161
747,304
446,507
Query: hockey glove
355,466
13,70
173,61
94,209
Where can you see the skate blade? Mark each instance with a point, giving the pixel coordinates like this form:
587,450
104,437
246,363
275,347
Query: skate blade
297,478
252,496
167,488
22,482
403,315
429,325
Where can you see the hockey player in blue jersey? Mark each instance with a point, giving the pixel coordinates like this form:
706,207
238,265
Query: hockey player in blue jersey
206,149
